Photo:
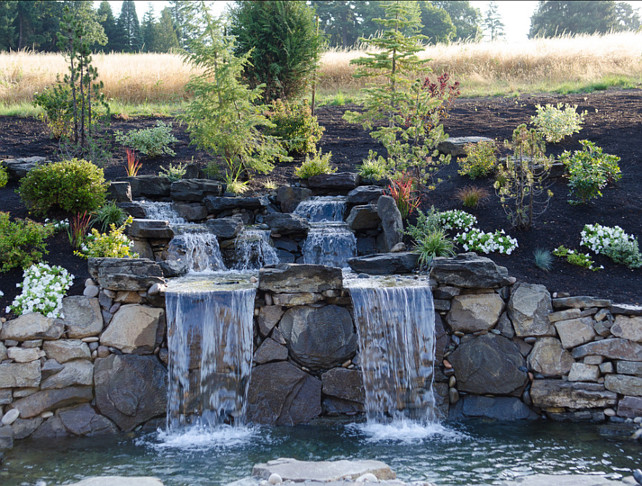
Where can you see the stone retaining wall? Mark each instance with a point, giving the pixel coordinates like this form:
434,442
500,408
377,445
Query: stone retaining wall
505,350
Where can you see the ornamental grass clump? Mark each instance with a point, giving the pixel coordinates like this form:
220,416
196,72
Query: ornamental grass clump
403,190
557,122
43,288
479,241
612,242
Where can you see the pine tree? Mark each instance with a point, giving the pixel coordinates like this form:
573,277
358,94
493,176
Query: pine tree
148,30
129,37
165,36
108,22
8,13
177,10
493,22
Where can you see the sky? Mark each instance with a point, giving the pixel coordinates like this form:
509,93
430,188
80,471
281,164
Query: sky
516,15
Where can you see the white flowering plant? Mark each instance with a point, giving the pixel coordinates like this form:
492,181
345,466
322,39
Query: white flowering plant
612,242
557,122
479,241
57,225
43,287
576,258
456,219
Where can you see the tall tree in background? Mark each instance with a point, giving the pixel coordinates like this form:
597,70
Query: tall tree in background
177,10
129,38
581,17
165,38
108,22
345,21
493,22
147,29
438,26
35,25
465,18
282,43
7,16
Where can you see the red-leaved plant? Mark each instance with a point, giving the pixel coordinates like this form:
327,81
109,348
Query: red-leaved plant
133,165
403,190
446,92
78,228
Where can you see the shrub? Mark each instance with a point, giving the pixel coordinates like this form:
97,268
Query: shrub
612,242
402,190
472,196
151,142
72,185
295,126
426,223
22,242
557,122
480,160
4,176
479,241
318,164
173,172
543,259
589,170
576,258
109,214
57,114
373,167
113,244
43,288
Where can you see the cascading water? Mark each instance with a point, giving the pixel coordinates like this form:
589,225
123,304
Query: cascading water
197,247
209,342
161,210
253,250
396,325
329,241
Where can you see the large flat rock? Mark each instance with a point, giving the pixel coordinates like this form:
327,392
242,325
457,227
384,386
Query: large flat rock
131,274
385,263
468,270
293,278
567,480
119,481
455,145
323,471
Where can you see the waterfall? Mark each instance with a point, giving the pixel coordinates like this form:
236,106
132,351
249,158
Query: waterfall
198,249
330,241
396,327
210,355
161,210
253,250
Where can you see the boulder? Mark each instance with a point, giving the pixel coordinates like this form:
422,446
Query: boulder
454,146
489,364
363,218
569,394
23,428
23,355
385,263
391,222
292,277
471,313
628,328
497,408
564,480
191,211
580,302
46,400
269,316
51,428
120,191
442,339
282,394
119,481
337,183
149,186
130,389
624,384
322,471
614,348
129,274
549,358
195,189
528,308
78,372
216,204
364,195
32,325
626,309
584,372
84,421
82,316
289,197
287,224
18,168
20,375
270,350
225,228
345,384
629,407
468,270
133,209
319,337
629,368
156,229
66,349
574,332
135,328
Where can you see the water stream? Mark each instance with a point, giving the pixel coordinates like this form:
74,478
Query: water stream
254,249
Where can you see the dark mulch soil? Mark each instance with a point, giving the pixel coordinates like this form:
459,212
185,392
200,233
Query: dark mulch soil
613,122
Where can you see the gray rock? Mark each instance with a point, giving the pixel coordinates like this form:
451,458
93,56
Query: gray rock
624,384
173,268
23,428
629,368
319,337
217,204
50,367
133,209
6,437
489,364
580,302
149,186
442,339
84,421
626,309
299,298
628,328
51,428
584,372
10,416
385,263
337,183
119,481
564,480
574,332
269,316
498,408
291,278
528,309
391,222
46,400
156,229
322,471
629,407
82,316
130,389
23,355
31,326
195,189
576,395
17,168
364,195
20,375
66,349
505,326
129,274
191,211
282,394
615,348
3,352
225,228
455,145
474,312
270,350
564,315
6,397
287,224
289,197
344,383
468,270
549,358
336,406
77,372
135,328
120,191
363,218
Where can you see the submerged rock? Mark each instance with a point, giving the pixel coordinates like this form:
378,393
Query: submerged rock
322,471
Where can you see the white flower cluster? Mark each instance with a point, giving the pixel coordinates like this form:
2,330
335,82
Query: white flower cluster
1,293
57,225
477,240
456,219
597,237
43,288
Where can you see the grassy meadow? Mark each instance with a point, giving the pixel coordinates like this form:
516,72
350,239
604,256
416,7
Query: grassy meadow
155,83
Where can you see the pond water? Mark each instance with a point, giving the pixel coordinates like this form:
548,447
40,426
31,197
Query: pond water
459,454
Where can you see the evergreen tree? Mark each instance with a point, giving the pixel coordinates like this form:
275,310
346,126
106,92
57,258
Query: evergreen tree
108,22
148,27
129,37
8,13
35,25
345,21
438,27
493,22
165,39
465,18
177,10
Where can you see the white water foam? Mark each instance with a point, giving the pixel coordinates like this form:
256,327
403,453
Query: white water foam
201,437
405,431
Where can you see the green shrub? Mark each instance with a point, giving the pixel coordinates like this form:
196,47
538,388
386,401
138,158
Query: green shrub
4,176
480,160
426,223
174,172
149,141
576,258
113,244
295,126
72,185
374,167
57,113
318,164
109,214
589,170
557,122
22,242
